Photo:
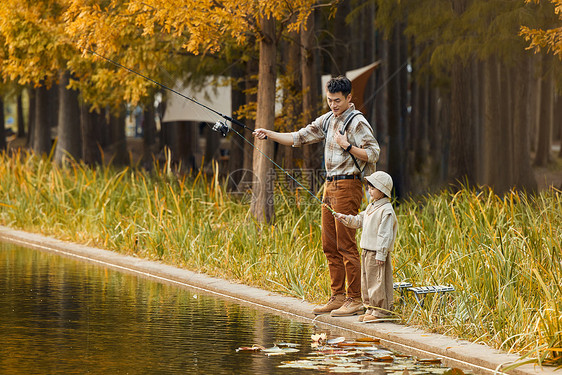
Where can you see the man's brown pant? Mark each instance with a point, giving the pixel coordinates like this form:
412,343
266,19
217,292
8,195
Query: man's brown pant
338,241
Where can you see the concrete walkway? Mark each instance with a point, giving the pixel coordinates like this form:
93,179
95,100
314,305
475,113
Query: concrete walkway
476,358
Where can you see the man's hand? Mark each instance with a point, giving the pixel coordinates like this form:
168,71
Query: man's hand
341,139
379,262
261,133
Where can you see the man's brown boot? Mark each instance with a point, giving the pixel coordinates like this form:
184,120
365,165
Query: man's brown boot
350,307
335,302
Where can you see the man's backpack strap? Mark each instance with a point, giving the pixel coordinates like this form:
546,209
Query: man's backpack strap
349,118
346,122
326,122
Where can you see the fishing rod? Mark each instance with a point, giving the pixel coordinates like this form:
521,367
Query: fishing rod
219,126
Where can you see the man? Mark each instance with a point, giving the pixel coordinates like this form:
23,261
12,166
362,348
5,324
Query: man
347,151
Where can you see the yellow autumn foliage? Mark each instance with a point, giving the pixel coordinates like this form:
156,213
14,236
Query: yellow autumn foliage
549,39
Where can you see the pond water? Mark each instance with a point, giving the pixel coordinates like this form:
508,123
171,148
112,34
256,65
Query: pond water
63,316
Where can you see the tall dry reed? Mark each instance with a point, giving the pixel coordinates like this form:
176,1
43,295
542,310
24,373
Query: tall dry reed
502,254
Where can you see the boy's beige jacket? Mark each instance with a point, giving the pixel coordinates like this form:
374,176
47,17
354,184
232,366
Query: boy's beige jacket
379,225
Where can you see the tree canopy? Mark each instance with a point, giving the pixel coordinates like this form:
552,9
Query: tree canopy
550,37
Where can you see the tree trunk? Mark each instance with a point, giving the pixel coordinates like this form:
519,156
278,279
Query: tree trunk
262,202
236,152
419,163
340,42
558,118
92,129
478,97
546,107
380,117
395,120
461,159
439,139
312,154
494,136
3,144
291,106
31,116
21,124
535,85
252,70
42,129
68,128
212,143
524,178
505,134
119,139
148,137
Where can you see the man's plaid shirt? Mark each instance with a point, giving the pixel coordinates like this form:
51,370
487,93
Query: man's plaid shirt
337,160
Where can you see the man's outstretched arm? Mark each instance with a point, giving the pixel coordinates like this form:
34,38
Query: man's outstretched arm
282,138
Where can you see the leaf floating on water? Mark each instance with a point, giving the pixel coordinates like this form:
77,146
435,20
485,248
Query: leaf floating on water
303,364
337,340
273,349
347,370
454,371
386,358
253,348
368,339
290,350
396,369
279,351
275,353
319,337
287,344
331,351
437,370
358,344
430,361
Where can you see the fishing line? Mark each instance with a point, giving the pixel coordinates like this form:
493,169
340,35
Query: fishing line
288,174
220,126
384,84
176,81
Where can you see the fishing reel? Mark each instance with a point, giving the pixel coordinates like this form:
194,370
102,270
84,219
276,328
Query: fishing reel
221,127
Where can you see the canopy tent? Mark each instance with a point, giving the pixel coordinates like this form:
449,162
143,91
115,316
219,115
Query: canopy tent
216,94
358,78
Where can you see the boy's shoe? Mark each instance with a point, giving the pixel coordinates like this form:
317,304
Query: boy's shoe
376,317
371,319
335,302
362,316
349,307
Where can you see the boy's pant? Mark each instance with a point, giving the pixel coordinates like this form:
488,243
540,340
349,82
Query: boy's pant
376,283
338,241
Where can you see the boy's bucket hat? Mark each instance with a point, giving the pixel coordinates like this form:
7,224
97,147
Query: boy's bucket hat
382,181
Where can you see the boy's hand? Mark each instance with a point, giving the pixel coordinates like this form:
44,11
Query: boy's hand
339,217
379,262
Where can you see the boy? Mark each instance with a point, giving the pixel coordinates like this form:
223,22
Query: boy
377,240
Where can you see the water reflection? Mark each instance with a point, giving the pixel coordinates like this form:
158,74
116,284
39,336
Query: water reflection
61,316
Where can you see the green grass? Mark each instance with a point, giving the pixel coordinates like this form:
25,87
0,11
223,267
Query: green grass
502,255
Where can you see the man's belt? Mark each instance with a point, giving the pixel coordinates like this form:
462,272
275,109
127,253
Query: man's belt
343,177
